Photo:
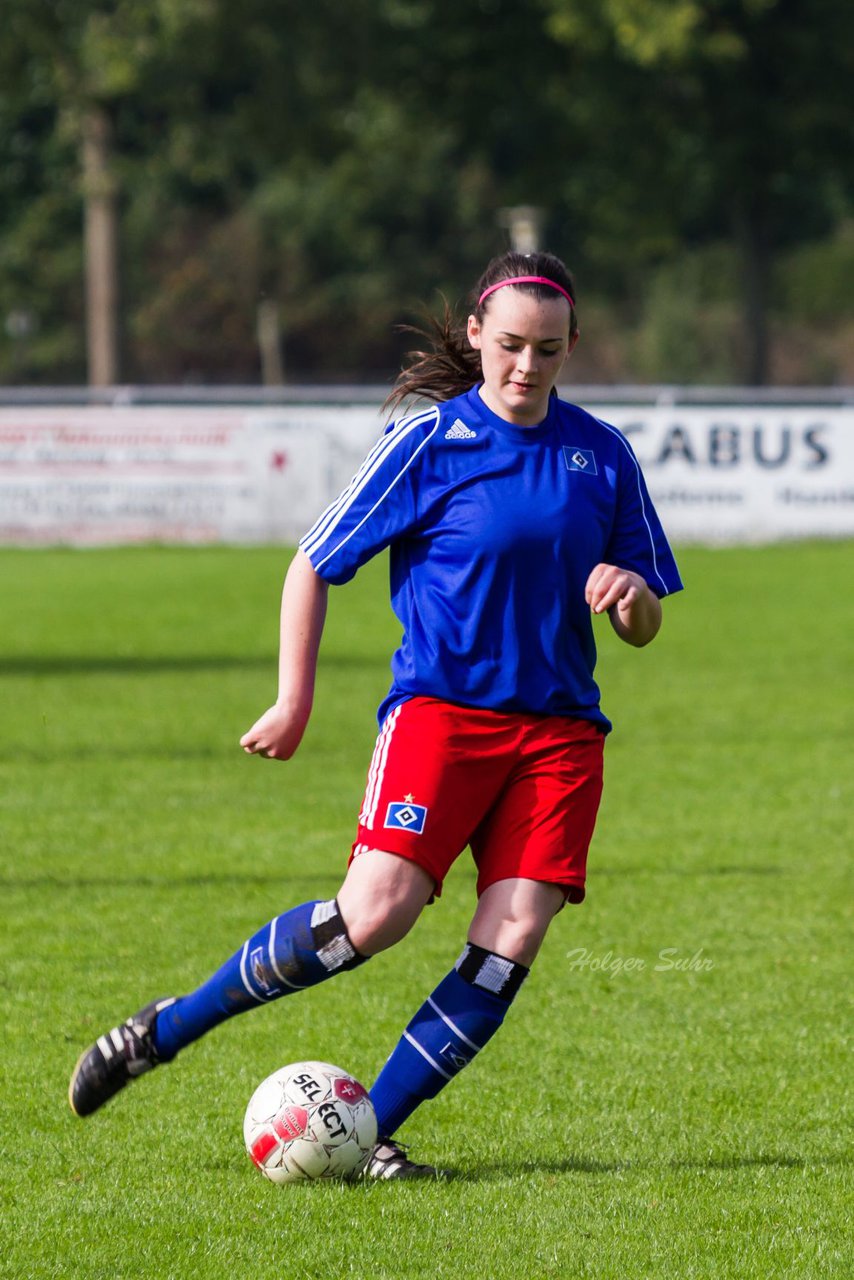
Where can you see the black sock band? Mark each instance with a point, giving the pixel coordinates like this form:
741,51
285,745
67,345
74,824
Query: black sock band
332,943
490,971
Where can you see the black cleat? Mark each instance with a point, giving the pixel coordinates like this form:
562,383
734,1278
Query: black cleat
114,1060
389,1160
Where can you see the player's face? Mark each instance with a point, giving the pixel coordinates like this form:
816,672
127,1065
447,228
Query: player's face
523,343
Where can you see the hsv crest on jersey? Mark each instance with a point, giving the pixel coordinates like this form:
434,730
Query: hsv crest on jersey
459,431
406,816
580,460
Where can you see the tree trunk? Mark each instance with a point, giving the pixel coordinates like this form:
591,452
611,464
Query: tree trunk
101,237
270,343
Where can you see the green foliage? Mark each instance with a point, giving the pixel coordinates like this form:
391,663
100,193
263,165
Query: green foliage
814,316
816,279
741,102
689,323
349,161
645,1122
649,32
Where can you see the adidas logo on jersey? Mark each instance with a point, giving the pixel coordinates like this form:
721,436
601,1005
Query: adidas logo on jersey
459,431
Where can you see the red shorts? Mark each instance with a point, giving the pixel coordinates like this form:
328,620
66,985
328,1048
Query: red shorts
522,790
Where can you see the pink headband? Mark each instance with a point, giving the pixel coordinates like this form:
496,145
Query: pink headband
526,280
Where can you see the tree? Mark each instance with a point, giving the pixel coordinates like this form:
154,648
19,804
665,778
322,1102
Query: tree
80,72
744,102
332,165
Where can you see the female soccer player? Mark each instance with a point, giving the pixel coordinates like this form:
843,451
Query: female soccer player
511,517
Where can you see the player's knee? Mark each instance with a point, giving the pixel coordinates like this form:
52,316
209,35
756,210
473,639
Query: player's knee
518,940
375,926
512,918
381,898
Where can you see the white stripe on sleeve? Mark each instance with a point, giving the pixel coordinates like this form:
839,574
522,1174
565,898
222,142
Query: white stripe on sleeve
387,441
627,447
320,536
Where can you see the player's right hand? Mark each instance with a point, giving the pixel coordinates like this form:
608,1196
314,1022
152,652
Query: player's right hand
277,733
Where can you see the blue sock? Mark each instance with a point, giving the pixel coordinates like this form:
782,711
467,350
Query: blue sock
296,950
456,1021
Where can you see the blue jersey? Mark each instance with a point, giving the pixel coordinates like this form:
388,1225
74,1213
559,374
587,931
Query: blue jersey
493,530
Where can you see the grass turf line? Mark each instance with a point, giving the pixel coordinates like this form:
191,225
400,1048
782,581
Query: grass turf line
668,1096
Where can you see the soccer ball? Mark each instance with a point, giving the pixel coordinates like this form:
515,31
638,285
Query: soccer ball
310,1120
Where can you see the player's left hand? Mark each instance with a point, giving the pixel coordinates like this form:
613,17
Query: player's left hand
609,585
634,610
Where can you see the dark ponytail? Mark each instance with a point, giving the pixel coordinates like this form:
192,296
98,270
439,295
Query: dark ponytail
449,365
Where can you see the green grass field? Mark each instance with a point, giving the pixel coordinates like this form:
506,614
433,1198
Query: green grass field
668,1097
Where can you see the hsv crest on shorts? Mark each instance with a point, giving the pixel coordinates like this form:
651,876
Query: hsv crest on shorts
406,816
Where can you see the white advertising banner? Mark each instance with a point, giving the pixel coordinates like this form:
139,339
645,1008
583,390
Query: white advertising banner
109,475
740,474
99,475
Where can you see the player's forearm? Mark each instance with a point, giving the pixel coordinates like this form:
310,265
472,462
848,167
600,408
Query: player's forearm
638,619
302,617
